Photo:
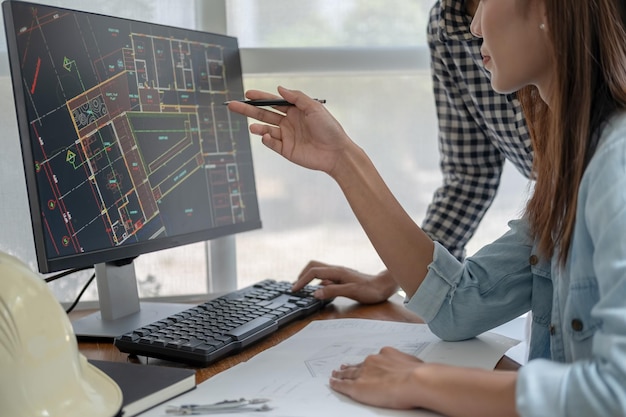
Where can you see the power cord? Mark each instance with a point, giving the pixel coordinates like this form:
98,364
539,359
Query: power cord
80,294
66,273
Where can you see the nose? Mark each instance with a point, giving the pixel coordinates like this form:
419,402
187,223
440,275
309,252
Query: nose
475,26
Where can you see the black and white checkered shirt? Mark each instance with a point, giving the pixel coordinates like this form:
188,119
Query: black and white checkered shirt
478,129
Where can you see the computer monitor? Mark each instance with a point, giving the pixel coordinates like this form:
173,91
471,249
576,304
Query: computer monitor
127,146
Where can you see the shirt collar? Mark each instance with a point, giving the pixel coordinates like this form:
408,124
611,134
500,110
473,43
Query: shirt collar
454,23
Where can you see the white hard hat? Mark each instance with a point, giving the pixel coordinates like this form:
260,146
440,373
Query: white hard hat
42,373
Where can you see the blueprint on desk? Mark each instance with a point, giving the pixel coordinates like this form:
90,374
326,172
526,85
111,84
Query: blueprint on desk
294,374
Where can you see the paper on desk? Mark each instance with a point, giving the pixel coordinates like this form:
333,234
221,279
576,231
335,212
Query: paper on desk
294,374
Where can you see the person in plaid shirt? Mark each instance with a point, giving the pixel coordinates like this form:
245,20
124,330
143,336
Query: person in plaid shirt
478,130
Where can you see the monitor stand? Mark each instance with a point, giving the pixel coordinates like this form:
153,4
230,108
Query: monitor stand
120,309
118,294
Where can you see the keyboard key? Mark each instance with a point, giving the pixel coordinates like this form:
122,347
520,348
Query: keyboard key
250,328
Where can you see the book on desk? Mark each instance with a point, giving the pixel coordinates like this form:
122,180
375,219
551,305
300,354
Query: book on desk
146,386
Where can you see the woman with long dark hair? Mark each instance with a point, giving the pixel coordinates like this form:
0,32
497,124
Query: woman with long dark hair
564,260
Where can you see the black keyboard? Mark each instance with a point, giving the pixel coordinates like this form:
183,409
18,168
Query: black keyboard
223,326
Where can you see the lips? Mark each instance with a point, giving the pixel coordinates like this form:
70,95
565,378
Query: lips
486,58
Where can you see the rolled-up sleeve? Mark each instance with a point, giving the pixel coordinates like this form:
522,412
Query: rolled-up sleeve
443,275
461,300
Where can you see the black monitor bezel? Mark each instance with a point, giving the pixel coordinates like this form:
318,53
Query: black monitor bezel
48,264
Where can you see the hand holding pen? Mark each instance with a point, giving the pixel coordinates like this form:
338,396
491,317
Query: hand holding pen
304,132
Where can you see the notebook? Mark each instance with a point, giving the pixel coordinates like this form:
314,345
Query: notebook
145,386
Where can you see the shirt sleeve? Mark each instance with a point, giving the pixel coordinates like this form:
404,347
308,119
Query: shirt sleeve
471,165
462,300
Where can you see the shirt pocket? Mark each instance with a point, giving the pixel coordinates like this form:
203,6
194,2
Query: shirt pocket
579,324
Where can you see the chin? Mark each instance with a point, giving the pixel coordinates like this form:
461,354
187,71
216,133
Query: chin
501,88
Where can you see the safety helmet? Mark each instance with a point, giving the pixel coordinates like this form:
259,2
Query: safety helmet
42,373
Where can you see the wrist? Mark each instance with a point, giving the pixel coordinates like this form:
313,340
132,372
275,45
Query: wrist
476,392
349,164
387,283
424,378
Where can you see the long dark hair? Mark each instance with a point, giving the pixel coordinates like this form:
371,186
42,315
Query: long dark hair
589,41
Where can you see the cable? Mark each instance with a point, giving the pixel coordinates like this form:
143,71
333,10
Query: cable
70,308
69,272
65,273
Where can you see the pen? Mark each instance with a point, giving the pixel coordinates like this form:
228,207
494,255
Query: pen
270,102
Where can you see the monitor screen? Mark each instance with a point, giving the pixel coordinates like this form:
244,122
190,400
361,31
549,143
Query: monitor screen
127,145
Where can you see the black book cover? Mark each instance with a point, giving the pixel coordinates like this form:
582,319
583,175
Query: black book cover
145,386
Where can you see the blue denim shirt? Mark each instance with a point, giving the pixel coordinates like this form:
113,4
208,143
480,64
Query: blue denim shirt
577,356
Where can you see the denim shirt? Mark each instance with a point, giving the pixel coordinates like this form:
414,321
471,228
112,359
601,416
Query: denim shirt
577,357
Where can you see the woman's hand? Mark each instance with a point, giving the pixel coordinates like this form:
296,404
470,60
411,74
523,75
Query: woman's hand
306,133
393,379
341,281
383,380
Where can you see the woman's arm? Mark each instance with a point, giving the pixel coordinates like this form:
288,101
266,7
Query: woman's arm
308,135
404,248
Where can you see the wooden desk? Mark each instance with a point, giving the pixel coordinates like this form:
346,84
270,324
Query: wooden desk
340,308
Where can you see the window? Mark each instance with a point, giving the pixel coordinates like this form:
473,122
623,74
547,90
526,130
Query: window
369,59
